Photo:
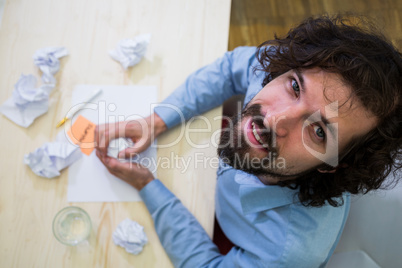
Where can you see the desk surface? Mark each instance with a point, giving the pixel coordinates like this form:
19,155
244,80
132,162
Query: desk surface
185,36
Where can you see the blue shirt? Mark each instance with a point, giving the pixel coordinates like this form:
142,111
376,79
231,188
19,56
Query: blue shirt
267,223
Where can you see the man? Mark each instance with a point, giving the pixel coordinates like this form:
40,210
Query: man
322,121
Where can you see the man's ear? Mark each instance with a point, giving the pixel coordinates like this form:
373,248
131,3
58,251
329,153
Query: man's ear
330,169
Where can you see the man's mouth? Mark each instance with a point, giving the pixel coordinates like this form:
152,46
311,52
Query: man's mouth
254,136
257,136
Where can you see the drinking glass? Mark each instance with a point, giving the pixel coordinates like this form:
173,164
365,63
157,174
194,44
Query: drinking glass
71,226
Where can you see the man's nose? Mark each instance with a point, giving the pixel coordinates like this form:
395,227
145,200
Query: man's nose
281,121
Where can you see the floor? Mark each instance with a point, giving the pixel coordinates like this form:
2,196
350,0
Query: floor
255,21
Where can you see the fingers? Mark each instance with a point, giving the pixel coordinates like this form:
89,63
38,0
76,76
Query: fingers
139,125
104,134
113,165
99,137
127,153
132,152
132,173
138,130
139,146
101,157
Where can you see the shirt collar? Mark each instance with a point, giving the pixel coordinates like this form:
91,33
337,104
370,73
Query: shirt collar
257,197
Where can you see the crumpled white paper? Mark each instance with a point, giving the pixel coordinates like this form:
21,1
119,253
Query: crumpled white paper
118,145
129,52
49,159
47,59
131,236
27,102
145,158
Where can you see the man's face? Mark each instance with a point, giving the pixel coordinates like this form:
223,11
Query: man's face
291,128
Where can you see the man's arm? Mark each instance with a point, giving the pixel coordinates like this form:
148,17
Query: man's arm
183,238
209,87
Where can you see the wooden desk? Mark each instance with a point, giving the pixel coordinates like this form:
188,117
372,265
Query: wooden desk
185,36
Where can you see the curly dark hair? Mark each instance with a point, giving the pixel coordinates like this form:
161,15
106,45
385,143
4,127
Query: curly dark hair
351,47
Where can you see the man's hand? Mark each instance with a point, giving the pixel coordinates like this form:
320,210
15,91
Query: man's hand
132,173
142,132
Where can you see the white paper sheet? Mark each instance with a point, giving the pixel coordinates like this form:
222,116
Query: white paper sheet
88,179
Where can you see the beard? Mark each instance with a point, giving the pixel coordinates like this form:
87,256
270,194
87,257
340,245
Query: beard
235,150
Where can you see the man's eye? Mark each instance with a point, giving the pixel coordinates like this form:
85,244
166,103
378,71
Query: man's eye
319,132
295,87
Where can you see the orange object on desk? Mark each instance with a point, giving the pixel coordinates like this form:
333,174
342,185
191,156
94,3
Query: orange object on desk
82,133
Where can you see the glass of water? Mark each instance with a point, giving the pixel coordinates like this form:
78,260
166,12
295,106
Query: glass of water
71,226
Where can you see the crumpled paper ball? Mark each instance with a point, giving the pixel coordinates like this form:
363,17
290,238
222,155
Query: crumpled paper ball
25,91
129,52
131,236
117,145
27,102
47,59
49,159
